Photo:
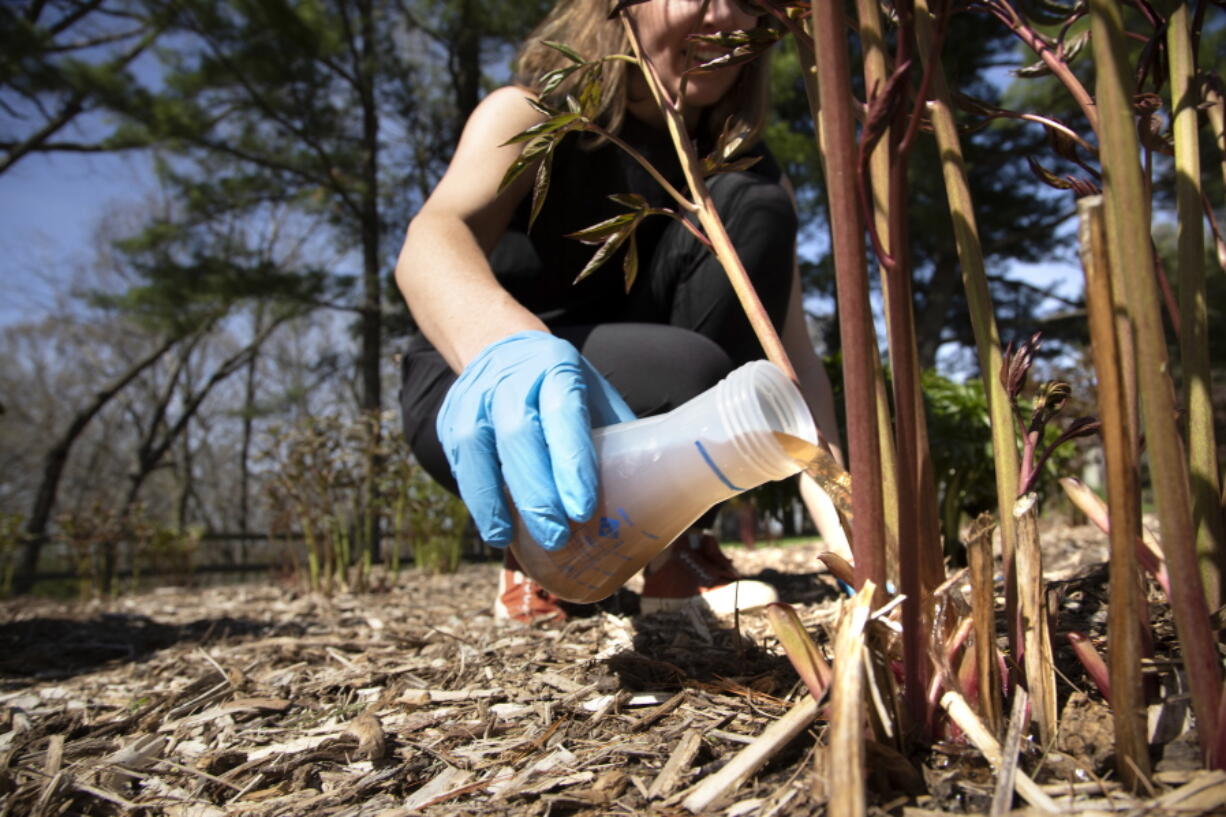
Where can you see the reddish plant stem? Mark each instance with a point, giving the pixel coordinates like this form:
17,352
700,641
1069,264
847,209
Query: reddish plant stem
1168,295
932,557
855,315
912,541
1093,663
1025,474
1055,63
920,566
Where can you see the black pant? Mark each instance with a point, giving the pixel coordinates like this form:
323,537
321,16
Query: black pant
680,331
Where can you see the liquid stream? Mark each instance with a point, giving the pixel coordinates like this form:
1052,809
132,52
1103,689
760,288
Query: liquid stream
821,465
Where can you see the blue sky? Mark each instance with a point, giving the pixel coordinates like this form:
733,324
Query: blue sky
50,207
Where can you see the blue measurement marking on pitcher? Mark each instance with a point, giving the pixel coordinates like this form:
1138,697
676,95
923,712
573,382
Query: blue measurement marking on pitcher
626,518
715,468
602,549
572,566
597,550
591,552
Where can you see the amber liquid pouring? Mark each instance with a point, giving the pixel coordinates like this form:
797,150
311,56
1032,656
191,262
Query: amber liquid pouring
821,465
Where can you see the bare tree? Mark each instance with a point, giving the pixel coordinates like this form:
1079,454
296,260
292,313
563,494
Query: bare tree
56,458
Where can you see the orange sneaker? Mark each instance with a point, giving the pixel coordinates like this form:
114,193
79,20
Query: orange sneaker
522,599
696,571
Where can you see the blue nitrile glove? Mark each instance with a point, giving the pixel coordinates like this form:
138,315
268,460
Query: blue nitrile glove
522,412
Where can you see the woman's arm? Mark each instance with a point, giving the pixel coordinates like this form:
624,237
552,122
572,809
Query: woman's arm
519,417
443,272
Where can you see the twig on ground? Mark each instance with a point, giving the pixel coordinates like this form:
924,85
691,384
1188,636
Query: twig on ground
1006,776
753,756
962,714
680,760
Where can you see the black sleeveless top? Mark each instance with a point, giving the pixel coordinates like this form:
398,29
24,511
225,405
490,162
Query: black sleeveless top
538,266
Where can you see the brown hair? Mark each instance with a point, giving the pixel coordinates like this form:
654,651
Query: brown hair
584,25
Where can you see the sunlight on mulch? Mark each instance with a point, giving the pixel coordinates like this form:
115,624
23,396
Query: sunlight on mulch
263,700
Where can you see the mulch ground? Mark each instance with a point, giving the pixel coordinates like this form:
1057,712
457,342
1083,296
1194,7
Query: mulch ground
265,700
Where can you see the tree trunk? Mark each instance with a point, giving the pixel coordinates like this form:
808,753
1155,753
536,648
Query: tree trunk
188,487
787,519
244,466
466,60
372,308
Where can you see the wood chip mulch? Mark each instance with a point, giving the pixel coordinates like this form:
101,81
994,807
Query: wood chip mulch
264,700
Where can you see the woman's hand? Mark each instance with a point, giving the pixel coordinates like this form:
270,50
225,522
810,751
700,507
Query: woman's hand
521,414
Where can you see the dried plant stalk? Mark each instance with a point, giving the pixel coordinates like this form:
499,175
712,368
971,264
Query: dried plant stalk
1123,492
855,315
806,658
978,299
887,717
876,74
983,609
1039,661
1006,775
1130,251
678,763
1193,311
847,751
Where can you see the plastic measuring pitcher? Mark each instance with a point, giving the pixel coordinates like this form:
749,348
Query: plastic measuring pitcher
659,474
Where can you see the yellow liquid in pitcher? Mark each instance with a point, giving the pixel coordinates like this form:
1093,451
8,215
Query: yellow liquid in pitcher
600,557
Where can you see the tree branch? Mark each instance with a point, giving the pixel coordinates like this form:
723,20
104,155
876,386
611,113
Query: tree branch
192,404
273,114
74,106
72,18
